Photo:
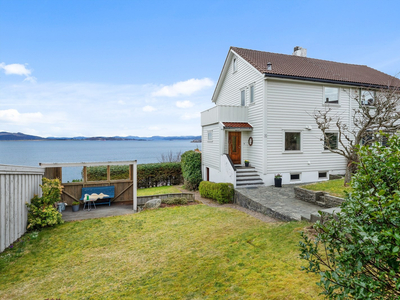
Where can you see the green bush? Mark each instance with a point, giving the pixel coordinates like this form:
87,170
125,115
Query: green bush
222,192
191,169
41,210
357,253
175,201
149,175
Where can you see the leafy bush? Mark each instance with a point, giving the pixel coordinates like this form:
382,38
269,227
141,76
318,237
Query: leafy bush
222,192
191,169
175,201
149,175
41,210
357,254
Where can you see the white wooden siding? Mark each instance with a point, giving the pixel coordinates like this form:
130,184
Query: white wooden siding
223,113
290,106
229,94
211,149
18,185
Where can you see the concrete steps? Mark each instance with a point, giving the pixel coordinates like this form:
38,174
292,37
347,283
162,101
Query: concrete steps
247,177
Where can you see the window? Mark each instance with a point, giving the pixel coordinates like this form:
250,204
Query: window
331,141
294,177
210,135
243,97
252,94
322,175
234,65
292,141
367,97
331,95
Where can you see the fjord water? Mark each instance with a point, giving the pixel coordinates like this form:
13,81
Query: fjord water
31,153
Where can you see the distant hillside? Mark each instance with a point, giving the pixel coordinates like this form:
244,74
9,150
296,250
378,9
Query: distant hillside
8,136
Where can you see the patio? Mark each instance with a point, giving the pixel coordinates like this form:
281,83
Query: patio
101,211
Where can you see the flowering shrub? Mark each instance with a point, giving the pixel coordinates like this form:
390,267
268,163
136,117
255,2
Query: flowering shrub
41,210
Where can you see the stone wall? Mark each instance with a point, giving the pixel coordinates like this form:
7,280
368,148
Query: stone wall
333,201
317,197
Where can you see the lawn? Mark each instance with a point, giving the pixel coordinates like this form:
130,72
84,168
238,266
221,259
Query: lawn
333,187
158,191
186,252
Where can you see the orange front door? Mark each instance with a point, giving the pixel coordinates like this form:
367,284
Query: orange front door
235,152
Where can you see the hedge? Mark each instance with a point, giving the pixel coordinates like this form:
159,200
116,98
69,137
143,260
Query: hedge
191,169
149,175
222,192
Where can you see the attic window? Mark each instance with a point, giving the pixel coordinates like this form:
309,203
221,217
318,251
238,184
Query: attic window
234,65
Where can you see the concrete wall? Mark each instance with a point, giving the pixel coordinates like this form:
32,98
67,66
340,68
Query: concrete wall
18,185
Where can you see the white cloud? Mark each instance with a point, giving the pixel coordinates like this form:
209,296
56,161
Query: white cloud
12,115
185,88
184,104
189,116
149,108
154,128
18,69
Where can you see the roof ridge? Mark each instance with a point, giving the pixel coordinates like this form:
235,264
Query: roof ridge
302,57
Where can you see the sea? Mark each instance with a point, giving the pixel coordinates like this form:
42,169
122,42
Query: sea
31,153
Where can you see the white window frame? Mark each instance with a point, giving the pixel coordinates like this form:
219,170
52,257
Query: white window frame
284,141
323,142
209,132
366,104
241,92
234,64
295,180
323,178
324,98
252,87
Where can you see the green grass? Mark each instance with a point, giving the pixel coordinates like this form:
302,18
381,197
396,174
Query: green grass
186,252
158,191
333,187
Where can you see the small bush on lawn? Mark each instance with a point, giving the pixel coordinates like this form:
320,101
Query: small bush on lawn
222,192
191,169
41,210
175,201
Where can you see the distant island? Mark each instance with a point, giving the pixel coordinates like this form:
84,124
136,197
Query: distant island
9,136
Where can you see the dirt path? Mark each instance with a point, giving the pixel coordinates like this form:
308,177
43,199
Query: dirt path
212,203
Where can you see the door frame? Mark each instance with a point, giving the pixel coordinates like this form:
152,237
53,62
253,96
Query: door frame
238,134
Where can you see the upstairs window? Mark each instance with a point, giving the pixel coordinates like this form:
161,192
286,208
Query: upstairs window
367,98
331,95
234,65
252,94
243,97
331,141
292,141
210,135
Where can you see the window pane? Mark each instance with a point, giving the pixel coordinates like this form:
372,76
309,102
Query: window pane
233,143
242,97
210,135
294,176
322,175
331,141
292,141
252,94
367,97
331,95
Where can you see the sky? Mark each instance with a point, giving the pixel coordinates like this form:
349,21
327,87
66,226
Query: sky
145,68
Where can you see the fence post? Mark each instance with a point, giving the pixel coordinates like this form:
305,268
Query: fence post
134,178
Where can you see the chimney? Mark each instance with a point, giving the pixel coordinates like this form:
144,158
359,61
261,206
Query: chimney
298,51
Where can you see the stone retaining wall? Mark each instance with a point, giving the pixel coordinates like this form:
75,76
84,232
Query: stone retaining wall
143,199
333,201
317,197
246,202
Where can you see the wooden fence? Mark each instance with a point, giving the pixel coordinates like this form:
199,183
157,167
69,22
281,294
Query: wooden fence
18,185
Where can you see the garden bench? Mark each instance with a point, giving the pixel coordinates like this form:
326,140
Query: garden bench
108,192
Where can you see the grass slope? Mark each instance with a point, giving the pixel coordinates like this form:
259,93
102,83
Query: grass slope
334,187
187,252
158,191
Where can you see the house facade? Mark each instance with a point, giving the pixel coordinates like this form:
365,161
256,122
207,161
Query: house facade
263,113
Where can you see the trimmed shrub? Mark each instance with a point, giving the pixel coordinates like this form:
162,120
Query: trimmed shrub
175,201
222,192
41,210
149,175
191,169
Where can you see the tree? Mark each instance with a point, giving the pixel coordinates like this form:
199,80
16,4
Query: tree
375,111
170,157
357,253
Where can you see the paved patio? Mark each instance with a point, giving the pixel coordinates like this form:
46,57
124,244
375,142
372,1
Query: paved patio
278,203
101,211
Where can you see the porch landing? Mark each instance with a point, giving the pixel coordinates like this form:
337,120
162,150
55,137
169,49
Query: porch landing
278,203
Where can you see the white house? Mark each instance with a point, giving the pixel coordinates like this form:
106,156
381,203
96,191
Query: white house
263,113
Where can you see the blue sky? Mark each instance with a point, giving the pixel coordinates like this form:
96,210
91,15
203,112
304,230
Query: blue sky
70,68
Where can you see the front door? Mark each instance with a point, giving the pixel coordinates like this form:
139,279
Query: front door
235,152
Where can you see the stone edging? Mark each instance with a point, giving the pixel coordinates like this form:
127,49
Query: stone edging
319,198
143,199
